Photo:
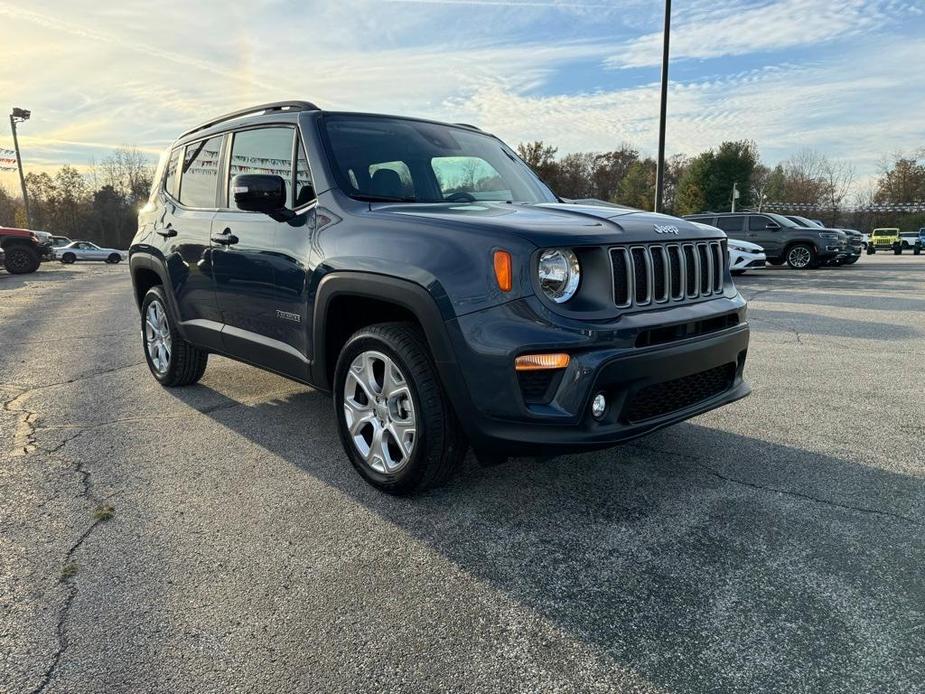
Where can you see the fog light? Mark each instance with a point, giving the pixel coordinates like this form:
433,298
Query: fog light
599,405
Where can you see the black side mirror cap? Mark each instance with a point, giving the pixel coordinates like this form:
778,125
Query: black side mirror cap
264,193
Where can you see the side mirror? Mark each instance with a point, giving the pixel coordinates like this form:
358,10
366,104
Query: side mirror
264,193
772,226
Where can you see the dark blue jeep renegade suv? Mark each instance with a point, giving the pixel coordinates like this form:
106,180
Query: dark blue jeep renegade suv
425,276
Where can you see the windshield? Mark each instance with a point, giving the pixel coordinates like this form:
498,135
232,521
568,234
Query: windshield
885,232
393,159
804,222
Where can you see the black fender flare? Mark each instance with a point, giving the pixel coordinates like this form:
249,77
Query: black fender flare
423,304
142,260
405,293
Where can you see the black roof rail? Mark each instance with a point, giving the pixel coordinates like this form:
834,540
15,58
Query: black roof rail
469,125
261,108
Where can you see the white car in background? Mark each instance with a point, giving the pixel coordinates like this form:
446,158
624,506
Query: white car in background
743,255
84,250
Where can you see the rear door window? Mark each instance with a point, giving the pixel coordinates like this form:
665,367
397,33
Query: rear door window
198,181
730,223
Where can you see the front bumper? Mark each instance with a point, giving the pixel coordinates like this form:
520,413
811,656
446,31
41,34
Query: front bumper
649,382
741,260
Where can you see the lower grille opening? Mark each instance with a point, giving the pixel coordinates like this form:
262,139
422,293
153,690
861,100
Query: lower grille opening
670,396
671,333
538,387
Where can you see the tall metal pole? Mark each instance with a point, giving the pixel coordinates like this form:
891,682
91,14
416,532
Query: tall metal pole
22,178
660,164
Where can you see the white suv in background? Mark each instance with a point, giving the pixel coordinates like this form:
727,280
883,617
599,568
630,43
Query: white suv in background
743,255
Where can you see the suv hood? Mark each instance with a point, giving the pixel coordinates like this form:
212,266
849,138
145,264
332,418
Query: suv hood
553,224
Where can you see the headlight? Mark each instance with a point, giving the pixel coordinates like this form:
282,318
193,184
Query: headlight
826,235
559,274
740,249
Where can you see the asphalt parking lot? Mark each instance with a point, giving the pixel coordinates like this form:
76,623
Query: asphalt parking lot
215,539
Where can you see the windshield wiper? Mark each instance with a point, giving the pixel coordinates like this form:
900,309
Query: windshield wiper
383,198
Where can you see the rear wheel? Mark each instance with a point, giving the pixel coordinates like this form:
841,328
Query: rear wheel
68,258
775,261
113,258
173,361
917,250
897,249
801,257
395,422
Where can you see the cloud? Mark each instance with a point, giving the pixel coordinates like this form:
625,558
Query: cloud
739,28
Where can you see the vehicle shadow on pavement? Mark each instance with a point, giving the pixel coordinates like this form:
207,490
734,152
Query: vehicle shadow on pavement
9,282
700,558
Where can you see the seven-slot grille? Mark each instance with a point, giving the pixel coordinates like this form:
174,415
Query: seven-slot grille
658,273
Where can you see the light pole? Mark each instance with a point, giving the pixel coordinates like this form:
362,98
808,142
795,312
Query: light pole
660,163
735,194
20,115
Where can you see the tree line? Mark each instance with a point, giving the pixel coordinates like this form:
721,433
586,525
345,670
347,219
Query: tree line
809,180
102,205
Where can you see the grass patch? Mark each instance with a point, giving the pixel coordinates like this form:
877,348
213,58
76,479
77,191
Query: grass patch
104,512
68,571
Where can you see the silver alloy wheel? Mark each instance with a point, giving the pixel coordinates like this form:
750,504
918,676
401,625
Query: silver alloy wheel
379,412
799,256
157,336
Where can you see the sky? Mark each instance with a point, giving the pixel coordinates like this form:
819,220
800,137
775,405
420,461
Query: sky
844,77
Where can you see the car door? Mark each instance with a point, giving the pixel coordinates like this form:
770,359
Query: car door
249,259
94,252
766,233
191,187
733,225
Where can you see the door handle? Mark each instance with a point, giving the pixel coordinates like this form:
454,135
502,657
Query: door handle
226,238
167,232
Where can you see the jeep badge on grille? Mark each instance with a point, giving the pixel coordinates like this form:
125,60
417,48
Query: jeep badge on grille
667,229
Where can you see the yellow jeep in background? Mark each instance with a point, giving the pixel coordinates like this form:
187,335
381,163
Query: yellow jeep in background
885,239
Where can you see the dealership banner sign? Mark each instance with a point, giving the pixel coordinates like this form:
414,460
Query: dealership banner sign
7,160
898,207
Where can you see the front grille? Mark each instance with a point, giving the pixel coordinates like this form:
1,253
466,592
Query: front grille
670,396
660,273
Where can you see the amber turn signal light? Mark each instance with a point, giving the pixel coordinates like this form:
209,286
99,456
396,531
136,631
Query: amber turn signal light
539,362
503,271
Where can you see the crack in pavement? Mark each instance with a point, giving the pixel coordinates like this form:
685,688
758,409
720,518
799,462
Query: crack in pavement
25,443
698,461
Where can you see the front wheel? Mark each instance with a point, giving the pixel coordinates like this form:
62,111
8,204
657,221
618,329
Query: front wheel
172,360
395,422
801,257
20,260
68,258
917,250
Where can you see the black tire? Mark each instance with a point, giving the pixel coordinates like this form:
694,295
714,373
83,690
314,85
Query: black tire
113,258
852,260
873,250
438,445
68,258
737,273
897,249
21,260
870,250
799,251
775,261
186,363
917,250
